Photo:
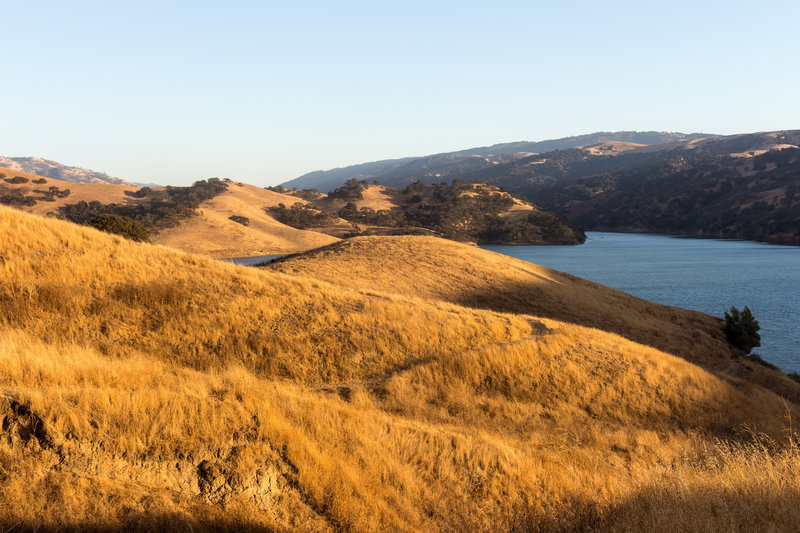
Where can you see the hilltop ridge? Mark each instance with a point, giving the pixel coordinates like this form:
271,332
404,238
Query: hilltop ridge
449,165
55,170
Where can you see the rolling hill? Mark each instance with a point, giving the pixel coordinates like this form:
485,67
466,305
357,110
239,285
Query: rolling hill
382,383
734,186
55,170
200,226
475,212
223,218
738,186
453,165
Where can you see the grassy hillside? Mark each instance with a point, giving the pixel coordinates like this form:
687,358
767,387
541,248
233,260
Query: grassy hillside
55,170
444,271
473,212
175,218
142,387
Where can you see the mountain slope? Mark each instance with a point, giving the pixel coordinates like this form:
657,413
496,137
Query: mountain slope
446,166
142,387
52,169
738,186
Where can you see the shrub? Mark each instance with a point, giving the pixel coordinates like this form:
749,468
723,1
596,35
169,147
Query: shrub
351,190
17,179
741,329
166,208
120,225
299,215
17,199
244,221
40,181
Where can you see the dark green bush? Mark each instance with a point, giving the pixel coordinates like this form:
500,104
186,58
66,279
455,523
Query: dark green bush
741,329
120,225
16,198
300,216
166,207
40,181
17,179
244,221
351,190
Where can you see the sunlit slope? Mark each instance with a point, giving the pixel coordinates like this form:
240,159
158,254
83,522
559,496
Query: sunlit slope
210,233
213,233
145,387
85,192
444,270
61,281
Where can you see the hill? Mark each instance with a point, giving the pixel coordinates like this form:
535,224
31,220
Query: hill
196,218
224,218
453,165
738,186
55,170
147,388
474,212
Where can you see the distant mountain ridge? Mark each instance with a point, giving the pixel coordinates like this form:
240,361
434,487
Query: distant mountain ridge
444,166
737,186
55,170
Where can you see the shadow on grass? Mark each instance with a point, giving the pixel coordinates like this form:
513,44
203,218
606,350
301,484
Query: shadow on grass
668,509
691,335
147,522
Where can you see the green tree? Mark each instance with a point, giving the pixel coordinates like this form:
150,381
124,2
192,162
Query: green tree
741,329
120,225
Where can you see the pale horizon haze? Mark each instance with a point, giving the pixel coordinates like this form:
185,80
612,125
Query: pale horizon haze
262,92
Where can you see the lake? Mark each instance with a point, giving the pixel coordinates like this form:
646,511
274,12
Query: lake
253,260
707,275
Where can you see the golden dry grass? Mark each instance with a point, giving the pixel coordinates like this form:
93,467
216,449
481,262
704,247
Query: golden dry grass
441,270
86,192
211,232
172,391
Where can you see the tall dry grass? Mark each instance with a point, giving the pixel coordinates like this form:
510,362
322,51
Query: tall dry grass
441,270
180,393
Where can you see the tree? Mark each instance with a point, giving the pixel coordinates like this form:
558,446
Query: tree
741,329
120,225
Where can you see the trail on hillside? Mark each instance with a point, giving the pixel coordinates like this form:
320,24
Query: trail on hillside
538,330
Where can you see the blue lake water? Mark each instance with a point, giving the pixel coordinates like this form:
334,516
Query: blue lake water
250,261
707,275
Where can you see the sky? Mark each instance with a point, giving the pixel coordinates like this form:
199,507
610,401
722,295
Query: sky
262,92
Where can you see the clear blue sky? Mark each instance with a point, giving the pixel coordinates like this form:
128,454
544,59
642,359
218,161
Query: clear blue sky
171,92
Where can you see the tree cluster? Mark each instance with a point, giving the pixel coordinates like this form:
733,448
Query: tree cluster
299,215
166,207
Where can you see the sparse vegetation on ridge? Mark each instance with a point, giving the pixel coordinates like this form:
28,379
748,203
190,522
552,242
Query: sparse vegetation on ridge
165,207
460,211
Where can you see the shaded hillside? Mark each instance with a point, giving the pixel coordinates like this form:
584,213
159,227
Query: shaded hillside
476,212
55,170
756,198
447,166
145,388
738,186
